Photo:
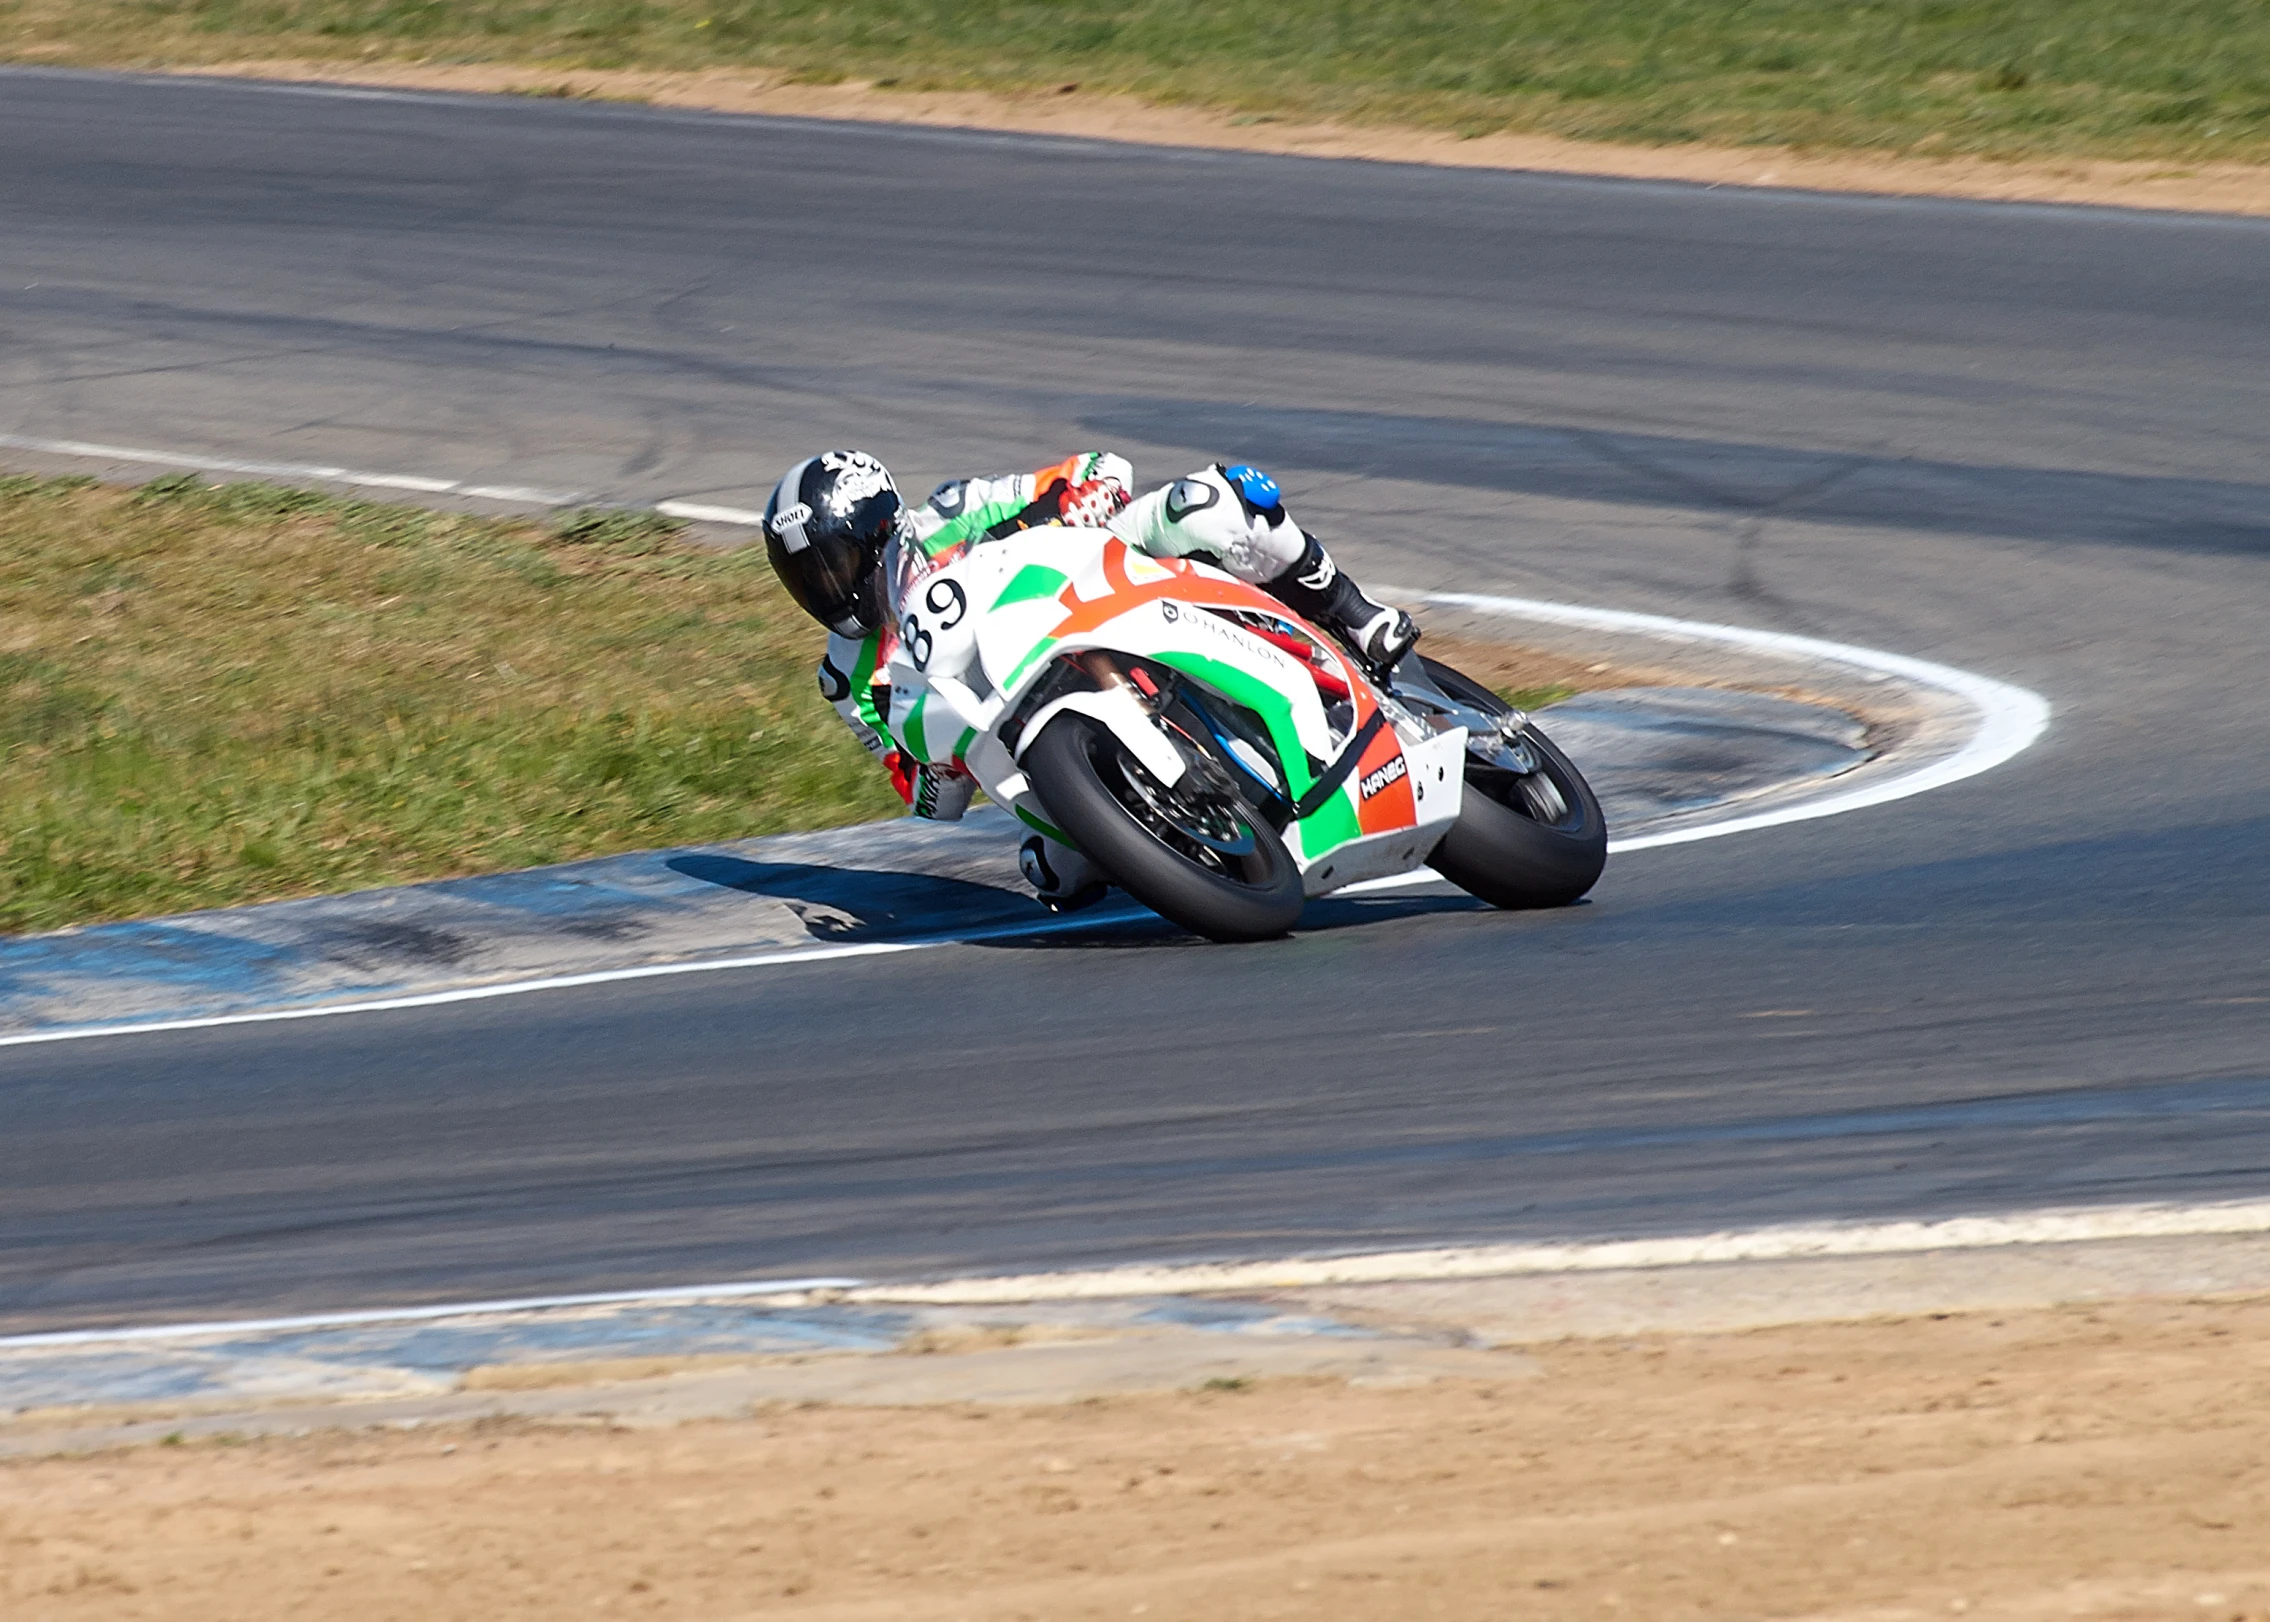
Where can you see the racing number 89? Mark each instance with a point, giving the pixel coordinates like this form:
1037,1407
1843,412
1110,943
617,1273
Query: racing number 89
947,604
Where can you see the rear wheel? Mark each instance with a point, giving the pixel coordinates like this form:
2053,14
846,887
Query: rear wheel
1194,853
1522,839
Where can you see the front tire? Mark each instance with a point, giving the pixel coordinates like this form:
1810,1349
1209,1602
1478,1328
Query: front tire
1207,862
1537,840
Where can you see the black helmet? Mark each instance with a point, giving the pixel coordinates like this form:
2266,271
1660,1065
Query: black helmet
825,529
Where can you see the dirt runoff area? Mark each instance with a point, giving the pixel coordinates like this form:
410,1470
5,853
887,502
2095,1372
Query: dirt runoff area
2210,187
2102,1462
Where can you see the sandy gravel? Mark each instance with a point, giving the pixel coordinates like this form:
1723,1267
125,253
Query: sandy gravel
2109,1462
1510,667
2223,188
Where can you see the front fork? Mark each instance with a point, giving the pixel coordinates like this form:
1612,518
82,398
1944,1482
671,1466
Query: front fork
1103,668
1202,773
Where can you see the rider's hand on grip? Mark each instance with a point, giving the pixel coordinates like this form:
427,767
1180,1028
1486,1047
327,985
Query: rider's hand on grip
1092,504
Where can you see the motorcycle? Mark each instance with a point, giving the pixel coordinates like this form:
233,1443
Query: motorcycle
1220,759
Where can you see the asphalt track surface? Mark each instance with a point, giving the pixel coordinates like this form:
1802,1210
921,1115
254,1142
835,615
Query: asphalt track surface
2023,440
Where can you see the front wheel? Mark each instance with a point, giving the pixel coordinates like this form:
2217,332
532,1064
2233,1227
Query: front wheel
1191,853
1533,839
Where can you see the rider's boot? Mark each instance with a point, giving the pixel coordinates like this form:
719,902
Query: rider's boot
1314,588
1067,881
1236,517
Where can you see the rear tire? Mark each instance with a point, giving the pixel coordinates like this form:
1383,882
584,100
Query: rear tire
1514,847
1079,771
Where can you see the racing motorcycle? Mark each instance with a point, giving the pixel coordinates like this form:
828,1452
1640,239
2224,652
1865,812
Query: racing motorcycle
1220,759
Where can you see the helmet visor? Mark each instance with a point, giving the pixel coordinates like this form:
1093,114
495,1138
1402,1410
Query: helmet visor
824,575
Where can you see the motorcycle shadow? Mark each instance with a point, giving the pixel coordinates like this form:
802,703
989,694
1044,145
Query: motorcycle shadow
1123,925
846,903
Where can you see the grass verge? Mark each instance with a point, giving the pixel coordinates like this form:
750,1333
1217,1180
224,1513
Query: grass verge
2183,80
218,695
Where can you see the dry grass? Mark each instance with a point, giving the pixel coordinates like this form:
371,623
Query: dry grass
1531,678
210,696
2183,81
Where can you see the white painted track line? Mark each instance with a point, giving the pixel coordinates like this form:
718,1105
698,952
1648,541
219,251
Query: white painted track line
408,1315
2042,1227
562,982
701,512
197,462
2010,718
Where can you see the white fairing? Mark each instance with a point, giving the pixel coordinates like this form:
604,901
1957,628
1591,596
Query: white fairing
968,662
1123,714
1437,767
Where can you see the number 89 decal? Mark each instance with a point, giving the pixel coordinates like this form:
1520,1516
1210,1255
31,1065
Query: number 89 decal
947,604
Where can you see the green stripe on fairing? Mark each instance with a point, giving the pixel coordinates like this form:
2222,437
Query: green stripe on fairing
1325,829
1275,710
1033,656
1033,582
1331,824
962,743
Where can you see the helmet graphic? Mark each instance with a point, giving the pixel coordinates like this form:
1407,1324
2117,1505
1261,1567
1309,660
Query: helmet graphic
825,528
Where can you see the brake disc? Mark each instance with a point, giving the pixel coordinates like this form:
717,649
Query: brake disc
1208,822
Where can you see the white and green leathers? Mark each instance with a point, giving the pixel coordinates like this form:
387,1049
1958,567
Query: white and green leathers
1200,515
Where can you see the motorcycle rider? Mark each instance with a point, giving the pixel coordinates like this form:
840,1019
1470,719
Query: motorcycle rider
846,547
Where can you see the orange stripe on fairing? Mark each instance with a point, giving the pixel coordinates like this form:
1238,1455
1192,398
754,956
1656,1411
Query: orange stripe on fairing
1393,806
1115,573
1086,613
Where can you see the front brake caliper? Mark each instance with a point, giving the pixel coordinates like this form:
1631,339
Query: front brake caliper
1503,745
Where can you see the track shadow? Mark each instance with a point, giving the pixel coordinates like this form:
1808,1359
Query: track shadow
1348,911
1585,464
1126,929
840,903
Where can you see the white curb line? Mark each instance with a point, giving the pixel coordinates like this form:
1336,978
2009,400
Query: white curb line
562,982
2047,1227
411,1315
2010,718
197,462
2042,1227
